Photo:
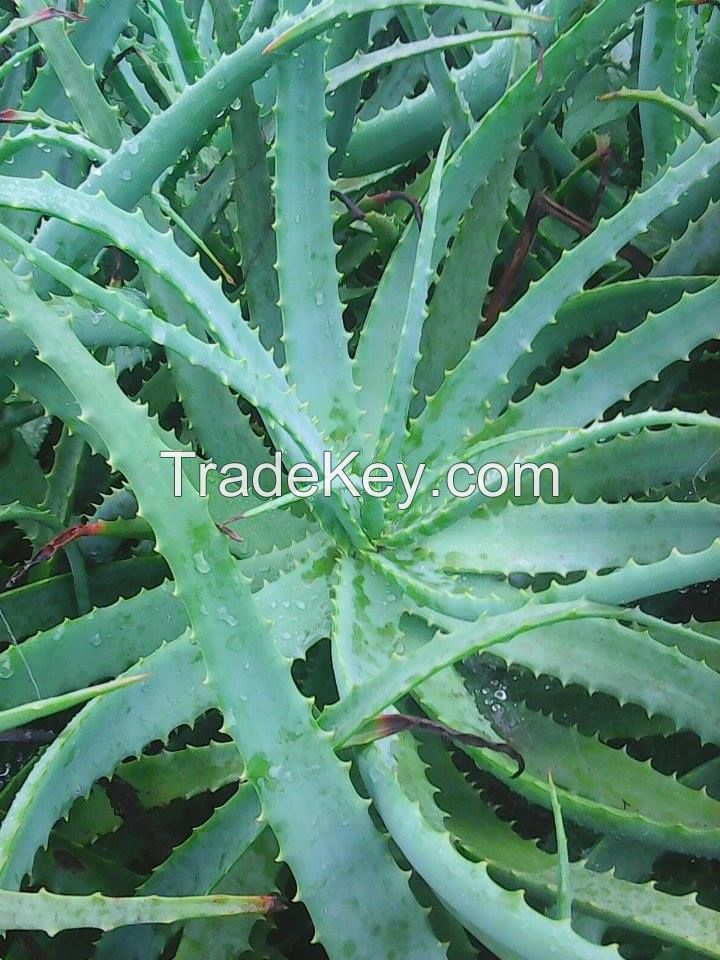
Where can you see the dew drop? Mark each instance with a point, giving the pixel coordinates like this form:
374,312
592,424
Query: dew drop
227,617
200,562
96,640
6,668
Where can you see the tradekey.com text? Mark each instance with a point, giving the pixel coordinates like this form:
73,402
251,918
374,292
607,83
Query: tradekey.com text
378,480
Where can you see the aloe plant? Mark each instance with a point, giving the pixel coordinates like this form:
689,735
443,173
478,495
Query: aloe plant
431,234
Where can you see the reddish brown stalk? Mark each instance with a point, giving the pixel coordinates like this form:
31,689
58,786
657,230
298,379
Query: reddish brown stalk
543,206
128,530
53,13
389,196
58,543
506,283
228,531
388,724
379,200
356,212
